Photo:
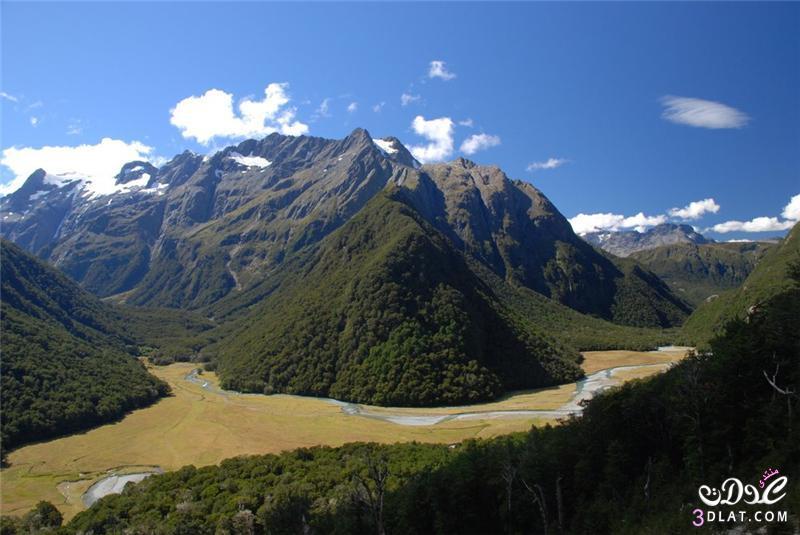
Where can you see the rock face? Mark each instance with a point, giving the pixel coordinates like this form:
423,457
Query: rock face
198,228
625,243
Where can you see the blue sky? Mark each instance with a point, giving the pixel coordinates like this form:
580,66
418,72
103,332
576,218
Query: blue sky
637,107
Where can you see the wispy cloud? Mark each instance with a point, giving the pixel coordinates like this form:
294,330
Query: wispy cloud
466,122
323,110
378,107
550,163
408,98
74,127
695,210
8,96
702,113
438,69
34,121
477,142
352,107
211,115
439,133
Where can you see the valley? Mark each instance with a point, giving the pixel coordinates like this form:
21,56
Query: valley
200,424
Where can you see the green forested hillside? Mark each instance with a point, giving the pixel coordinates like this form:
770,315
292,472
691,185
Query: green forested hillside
66,363
697,272
387,312
631,464
767,279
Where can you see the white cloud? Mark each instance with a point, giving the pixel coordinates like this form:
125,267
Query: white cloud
378,107
792,210
8,96
583,223
212,115
34,121
74,127
439,132
550,163
97,164
477,142
438,69
695,210
323,110
702,113
466,122
758,224
352,107
408,98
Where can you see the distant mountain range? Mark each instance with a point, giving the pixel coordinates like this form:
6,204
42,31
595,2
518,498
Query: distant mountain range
342,267
625,243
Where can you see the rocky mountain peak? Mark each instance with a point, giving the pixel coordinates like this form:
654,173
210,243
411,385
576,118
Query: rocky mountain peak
625,243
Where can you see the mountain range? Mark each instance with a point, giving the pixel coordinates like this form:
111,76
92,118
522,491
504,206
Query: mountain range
343,267
626,242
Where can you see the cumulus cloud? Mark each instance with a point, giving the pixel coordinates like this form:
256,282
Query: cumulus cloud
352,107
550,163
702,113
477,142
792,210
97,164
408,98
695,210
584,223
438,69
758,224
790,215
439,133
212,115
34,121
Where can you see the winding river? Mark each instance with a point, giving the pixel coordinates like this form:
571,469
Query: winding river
585,389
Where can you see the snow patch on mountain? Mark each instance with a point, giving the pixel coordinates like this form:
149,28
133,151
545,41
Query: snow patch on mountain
249,161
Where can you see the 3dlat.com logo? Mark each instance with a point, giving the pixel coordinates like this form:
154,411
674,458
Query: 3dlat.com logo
770,490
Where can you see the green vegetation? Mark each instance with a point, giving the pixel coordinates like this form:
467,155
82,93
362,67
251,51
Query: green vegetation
767,280
631,464
386,312
697,272
66,364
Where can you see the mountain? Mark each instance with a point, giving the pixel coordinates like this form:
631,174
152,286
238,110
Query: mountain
770,277
199,228
65,361
345,268
625,243
700,272
386,311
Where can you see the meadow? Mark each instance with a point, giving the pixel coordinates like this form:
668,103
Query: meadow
202,426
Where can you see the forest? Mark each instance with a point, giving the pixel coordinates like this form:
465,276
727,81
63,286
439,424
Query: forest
631,464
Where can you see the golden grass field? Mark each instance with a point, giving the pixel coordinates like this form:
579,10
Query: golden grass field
199,427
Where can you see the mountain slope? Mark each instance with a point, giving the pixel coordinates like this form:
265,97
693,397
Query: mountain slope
198,230
768,279
385,311
625,243
697,272
515,230
64,363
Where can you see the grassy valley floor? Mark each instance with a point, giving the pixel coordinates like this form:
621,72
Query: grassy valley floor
201,425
